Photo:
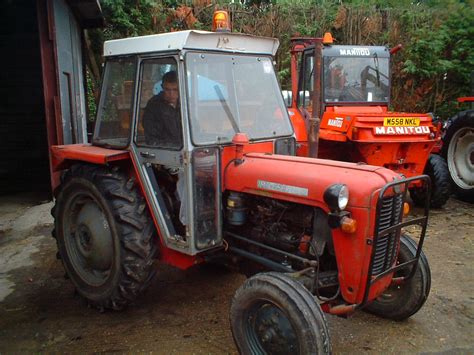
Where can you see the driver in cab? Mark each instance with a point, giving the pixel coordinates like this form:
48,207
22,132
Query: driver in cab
162,118
163,129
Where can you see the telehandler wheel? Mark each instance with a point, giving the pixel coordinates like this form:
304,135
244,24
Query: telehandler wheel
402,301
437,169
272,313
104,235
458,150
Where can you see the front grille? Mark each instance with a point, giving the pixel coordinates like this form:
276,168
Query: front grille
386,245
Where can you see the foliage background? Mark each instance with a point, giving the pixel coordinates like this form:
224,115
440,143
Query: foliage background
434,68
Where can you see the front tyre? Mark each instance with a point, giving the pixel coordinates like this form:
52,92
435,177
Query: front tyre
437,169
272,313
104,235
402,301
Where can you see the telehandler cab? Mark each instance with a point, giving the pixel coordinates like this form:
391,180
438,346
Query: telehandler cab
348,89
317,235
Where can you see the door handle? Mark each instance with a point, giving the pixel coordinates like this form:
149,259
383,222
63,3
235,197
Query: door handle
147,155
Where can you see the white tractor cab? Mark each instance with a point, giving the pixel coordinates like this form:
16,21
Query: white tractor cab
226,85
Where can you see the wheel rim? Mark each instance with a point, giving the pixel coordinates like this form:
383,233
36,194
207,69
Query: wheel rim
88,239
269,330
461,158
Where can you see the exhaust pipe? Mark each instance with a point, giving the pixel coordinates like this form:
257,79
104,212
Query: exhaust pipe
313,136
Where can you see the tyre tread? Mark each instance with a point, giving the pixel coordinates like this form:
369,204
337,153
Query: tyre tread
135,230
297,297
437,169
459,120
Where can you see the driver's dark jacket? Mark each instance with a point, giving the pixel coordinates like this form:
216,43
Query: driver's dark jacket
162,123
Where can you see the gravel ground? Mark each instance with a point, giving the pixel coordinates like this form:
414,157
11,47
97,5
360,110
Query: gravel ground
187,311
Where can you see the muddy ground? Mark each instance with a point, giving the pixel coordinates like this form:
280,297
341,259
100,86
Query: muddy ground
187,312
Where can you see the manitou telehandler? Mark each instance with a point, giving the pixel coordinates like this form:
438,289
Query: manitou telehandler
317,235
348,89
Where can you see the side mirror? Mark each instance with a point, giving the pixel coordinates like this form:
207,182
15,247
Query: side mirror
287,97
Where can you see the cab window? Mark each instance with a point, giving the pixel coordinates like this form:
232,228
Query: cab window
115,107
159,114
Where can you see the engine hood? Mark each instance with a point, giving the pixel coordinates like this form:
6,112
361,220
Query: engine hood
304,180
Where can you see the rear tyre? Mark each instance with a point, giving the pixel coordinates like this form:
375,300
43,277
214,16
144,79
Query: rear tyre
272,313
458,150
104,235
402,301
437,169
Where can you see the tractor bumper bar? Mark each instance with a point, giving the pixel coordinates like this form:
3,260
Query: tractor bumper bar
387,232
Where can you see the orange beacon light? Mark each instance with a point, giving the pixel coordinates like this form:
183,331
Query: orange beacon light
221,21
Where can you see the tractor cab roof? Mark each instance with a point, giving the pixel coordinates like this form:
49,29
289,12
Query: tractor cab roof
193,40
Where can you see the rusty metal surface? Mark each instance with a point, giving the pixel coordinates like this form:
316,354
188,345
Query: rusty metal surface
50,89
89,14
316,97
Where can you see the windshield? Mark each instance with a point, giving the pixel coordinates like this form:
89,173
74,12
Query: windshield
228,94
355,79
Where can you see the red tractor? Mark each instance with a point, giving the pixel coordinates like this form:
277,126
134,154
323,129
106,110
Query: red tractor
223,184
348,89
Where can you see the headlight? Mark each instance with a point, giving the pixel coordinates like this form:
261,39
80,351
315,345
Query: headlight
336,197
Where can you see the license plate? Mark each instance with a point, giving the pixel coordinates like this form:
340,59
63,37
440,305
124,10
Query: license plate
401,122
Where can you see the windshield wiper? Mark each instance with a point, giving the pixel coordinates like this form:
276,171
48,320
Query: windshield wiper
226,107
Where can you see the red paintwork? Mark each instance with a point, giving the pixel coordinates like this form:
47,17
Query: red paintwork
314,174
50,86
301,134
404,153
228,154
167,255
65,155
366,119
62,155
299,125
311,176
298,44
353,253
352,250
466,99
240,140
356,140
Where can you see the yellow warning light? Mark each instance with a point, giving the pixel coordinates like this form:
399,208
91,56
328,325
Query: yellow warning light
327,38
221,21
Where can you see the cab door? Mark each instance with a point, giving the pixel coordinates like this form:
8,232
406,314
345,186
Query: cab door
181,181
160,158
306,82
